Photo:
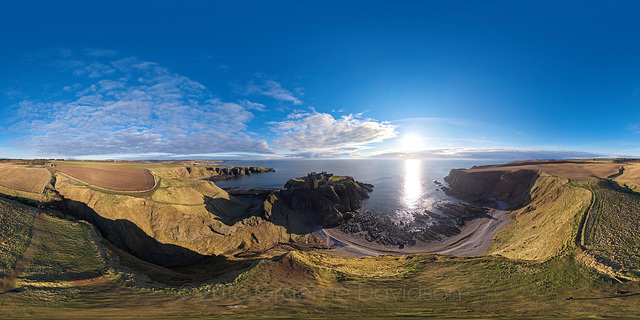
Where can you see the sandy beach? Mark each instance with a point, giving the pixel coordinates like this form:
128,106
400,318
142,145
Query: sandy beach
473,240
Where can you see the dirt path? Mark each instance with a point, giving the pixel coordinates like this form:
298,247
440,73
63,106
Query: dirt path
474,239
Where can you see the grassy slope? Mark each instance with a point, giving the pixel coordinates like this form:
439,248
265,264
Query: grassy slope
630,178
181,211
556,209
611,232
16,222
50,256
320,284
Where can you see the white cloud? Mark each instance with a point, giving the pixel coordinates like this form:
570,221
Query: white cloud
129,106
635,127
275,90
253,105
320,134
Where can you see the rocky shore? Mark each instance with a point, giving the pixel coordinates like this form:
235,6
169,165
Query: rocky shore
228,173
427,227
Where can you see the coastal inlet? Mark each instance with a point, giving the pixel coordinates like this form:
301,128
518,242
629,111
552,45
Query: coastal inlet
407,207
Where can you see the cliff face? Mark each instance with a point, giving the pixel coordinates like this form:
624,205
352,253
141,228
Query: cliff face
213,173
330,204
511,187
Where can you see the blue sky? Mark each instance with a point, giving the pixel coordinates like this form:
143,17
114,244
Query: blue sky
274,79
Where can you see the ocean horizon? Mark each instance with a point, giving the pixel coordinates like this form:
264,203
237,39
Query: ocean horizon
401,186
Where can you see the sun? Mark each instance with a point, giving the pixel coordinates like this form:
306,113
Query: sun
412,142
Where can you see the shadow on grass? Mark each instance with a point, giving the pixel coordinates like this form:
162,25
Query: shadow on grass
610,184
611,297
15,290
127,236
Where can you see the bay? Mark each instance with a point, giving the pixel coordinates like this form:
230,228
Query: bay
401,186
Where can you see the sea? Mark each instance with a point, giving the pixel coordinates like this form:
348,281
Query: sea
402,187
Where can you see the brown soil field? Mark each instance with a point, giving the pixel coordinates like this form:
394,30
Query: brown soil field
23,178
631,173
565,169
111,177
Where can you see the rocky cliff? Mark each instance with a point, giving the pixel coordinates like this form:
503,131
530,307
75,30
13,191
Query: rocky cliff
328,203
212,173
511,187
544,210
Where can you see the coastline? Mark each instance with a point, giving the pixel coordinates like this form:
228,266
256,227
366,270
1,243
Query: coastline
473,240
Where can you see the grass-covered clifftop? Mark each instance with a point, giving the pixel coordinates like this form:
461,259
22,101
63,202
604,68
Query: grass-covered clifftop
569,237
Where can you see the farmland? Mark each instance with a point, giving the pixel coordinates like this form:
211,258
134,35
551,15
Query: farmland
111,177
565,169
24,178
630,178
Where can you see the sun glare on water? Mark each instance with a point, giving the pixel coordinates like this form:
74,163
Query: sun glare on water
412,183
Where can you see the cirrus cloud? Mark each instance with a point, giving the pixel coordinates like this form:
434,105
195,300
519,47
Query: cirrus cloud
130,106
274,90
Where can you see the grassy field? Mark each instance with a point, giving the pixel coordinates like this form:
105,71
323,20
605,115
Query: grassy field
23,178
573,170
630,178
611,231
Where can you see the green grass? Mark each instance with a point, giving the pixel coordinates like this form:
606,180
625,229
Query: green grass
547,225
63,252
16,221
611,232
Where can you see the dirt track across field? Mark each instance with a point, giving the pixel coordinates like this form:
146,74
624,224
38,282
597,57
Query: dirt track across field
111,177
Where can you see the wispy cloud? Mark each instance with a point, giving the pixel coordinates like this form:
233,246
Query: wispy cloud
253,105
275,90
316,134
498,154
130,106
93,52
635,127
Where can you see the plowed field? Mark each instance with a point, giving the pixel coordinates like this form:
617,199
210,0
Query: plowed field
23,178
111,177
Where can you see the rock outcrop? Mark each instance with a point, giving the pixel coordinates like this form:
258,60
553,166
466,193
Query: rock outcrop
212,173
329,202
226,173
